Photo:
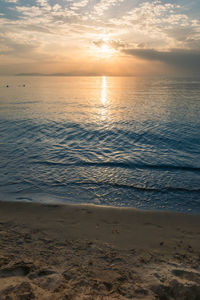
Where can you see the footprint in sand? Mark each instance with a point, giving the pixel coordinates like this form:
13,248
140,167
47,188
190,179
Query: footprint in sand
23,269
15,270
176,290
21,291
188,275
41,273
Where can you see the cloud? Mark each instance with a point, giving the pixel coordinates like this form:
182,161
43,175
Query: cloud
115,44
44,4
159,24
187,60
11,46
29,11
11,1
80,4
104,5
60,28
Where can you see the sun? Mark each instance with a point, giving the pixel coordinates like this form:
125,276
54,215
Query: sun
103,47
105,50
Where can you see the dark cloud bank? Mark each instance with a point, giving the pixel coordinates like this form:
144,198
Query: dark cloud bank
186,60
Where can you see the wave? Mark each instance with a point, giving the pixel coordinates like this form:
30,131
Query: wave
125,165
23,186
143,189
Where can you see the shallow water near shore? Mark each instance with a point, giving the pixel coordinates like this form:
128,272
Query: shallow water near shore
115,141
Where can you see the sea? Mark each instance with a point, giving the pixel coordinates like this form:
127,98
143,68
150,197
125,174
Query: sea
111,141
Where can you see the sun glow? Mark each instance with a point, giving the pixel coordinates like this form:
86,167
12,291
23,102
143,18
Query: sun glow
105,50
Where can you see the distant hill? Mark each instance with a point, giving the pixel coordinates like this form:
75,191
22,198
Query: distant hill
58,74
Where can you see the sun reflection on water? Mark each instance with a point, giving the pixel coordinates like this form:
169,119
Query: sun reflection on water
104,108
104,90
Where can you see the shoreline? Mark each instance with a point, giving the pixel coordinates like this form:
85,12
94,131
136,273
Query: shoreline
43,201
84,251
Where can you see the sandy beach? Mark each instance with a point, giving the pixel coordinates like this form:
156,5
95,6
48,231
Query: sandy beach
91,252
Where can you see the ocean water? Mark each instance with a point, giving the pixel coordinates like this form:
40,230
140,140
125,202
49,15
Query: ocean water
119,141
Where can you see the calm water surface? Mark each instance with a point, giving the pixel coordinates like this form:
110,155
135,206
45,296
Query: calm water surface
101,140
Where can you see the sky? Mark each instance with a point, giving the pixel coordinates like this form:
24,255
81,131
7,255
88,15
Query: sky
100,37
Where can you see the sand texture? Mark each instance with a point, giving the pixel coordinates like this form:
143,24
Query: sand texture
88,252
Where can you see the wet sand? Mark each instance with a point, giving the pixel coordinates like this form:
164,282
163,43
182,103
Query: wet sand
90,252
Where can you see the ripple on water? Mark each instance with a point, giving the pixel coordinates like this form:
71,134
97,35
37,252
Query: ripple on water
139,148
